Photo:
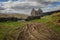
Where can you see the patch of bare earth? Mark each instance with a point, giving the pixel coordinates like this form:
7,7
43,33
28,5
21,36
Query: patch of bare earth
33,31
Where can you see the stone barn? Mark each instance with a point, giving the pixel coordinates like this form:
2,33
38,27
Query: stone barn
36,13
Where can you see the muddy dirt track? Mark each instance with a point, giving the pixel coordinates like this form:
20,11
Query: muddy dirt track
33,31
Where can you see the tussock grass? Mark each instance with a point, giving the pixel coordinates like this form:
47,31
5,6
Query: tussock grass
50,21
5,27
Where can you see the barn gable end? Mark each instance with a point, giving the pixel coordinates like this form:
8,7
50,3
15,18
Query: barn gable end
33,12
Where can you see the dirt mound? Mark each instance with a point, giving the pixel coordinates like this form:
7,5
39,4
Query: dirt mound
34,31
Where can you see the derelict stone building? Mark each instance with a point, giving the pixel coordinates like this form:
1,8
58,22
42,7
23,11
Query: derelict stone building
36,13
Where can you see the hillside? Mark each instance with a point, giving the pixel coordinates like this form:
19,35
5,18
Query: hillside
45,28
51,20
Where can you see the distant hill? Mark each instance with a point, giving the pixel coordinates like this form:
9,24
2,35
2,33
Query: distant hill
13,15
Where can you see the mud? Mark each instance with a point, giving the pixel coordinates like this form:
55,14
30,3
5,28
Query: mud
33,31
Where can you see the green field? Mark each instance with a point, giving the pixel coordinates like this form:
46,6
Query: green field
50,21
5,27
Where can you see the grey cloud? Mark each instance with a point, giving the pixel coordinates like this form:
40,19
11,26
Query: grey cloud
45,1
1,8
26,7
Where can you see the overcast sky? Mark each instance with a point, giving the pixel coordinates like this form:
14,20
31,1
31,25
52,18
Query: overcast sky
25,6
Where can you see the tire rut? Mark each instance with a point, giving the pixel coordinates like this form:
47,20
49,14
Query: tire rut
35,31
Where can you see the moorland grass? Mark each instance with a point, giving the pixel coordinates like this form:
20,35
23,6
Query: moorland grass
5,27
50,21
